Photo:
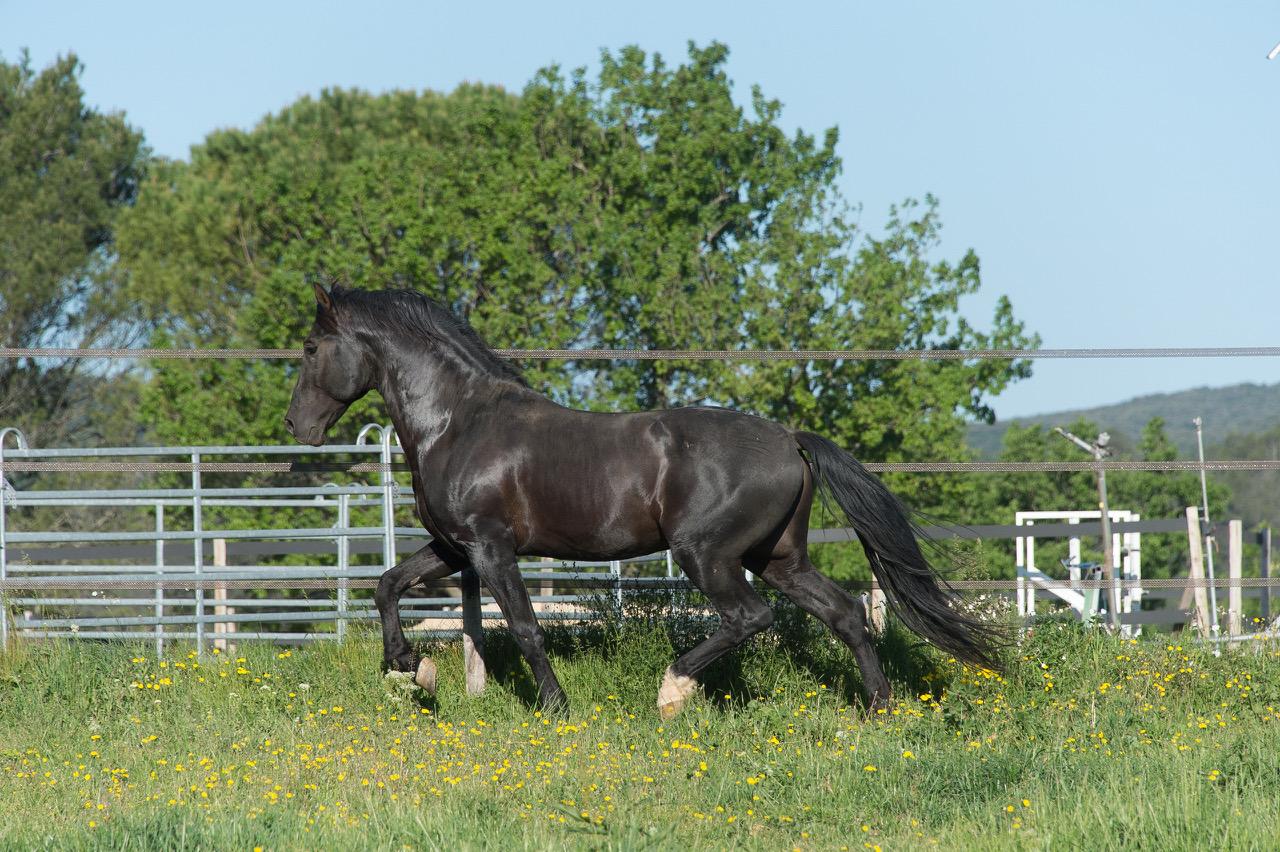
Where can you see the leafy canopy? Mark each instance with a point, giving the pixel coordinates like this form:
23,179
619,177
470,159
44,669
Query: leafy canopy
643,208
66,172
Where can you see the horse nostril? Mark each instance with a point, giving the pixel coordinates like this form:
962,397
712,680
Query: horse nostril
288,424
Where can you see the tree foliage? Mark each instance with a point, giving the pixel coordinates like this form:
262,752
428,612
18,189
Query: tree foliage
1152,494
644,208
66,172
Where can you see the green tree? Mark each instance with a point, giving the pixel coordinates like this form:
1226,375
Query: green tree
66,172
644,208
1152,494
1253,492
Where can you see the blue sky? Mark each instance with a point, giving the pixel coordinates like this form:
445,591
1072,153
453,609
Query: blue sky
1114,165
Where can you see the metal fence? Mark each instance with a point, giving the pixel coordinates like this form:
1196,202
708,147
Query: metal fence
176,574
207,584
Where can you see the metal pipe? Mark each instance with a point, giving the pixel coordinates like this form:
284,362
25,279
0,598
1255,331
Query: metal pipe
5,490
159,576
226,450
388,502
344,560
209,535
197,550
184,494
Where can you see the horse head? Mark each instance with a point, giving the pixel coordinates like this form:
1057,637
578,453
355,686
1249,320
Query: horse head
337,369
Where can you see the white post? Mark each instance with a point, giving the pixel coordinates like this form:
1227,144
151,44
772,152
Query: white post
1030,587
1020,566
1197,572
388,503
159,579
344,560
197,555
5,490
1073,557
1209,537
1235,548
220,609
876,607
472,632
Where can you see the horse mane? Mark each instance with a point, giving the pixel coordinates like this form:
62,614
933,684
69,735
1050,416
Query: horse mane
408,313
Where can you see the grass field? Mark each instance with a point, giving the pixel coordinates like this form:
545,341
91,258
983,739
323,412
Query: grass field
1086,742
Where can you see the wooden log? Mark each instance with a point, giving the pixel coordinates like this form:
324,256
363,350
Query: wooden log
1198,591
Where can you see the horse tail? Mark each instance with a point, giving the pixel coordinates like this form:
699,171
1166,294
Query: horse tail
923,602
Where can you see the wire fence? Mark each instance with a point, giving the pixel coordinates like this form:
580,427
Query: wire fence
690,354
167,571
26,466
180,606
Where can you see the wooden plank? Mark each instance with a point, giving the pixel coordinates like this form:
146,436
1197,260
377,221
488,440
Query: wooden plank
1199,593
1169,615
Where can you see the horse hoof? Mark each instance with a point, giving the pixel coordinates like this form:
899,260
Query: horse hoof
426,676
674,693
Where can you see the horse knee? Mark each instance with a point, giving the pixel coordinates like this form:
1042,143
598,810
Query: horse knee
385,595
756,621
529,637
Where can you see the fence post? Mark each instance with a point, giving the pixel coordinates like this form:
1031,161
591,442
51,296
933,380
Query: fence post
4,557
159,579
220,609
1196,579
197,555
546,588
615,568
876,607
1264,539
1235,546
472,632
5,491
388,502
344,564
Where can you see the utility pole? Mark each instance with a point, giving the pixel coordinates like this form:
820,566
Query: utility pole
1099,451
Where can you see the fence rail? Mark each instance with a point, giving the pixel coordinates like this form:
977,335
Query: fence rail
690,354
198,580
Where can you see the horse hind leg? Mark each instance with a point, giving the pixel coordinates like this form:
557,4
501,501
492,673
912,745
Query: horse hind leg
742,613
495,561
844,615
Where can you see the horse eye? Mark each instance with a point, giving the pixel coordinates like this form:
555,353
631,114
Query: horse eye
309,347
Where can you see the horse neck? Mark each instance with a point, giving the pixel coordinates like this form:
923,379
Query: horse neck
428,393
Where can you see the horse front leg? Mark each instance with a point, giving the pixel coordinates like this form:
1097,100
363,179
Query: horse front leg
429,563
495,562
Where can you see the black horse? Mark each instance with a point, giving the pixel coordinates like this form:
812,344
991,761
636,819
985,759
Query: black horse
500,471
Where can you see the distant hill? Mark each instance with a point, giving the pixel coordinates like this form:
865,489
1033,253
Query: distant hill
1236,410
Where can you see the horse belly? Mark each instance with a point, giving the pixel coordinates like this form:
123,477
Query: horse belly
597,521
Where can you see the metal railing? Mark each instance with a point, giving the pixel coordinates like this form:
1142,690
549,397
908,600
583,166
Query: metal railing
175,573
108,572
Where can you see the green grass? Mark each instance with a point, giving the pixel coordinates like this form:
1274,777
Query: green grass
1087,742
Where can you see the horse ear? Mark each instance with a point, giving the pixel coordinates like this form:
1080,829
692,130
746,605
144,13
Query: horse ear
323,299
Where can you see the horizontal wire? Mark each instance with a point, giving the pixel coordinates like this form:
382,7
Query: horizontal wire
25,466
692,354
605,581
